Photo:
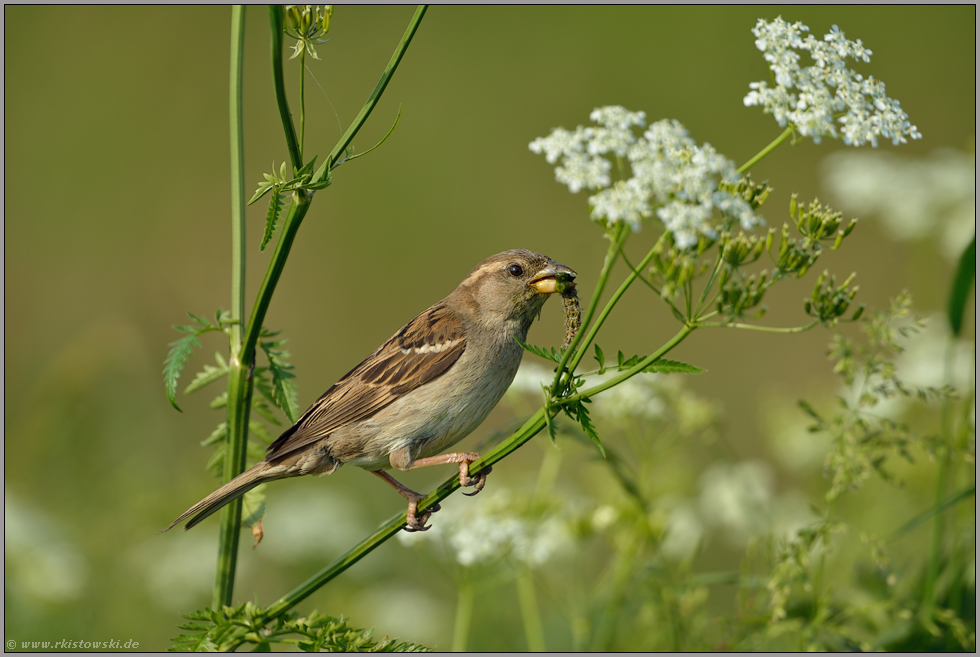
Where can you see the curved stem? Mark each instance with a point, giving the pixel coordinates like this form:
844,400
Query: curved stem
580,353
615,244
636,369
239,389
379,88
531,428
275,24
763,329
765,151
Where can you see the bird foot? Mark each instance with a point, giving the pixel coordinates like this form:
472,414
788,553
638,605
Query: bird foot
478,482
417,524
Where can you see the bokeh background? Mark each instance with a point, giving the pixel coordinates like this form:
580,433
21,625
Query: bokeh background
117,220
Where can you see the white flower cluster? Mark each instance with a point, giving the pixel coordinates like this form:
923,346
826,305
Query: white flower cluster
492,526
669,172
812,98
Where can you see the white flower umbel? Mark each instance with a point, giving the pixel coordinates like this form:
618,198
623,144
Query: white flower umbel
827,99
669,174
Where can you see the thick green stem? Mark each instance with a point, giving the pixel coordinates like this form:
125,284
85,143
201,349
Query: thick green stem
278,78
765,151
239,388
379,88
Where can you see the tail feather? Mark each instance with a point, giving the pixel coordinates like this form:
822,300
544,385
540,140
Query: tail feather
246,481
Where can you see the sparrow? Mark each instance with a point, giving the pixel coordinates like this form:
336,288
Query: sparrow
425,389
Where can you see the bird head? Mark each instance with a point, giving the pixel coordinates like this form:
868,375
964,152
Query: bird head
512,285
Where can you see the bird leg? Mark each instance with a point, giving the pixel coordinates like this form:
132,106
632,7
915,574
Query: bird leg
414,524
464,459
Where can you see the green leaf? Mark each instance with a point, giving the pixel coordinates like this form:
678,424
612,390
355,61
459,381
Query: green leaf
221,401
272,218
259,431
209,374
260,406
253,506
383,139
262,190
283,385
966,274
217,435
307,168
601,359
583,419
180,350
197,318
665,366
554,355
322,174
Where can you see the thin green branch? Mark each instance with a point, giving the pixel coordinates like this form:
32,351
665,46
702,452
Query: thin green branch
594,329
278,78
933,511
633,371
239,389
615,246
762,329
379,88
765,151
531,428
302,101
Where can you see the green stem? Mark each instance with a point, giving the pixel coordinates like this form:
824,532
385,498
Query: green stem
464,616
615,244
239,388
302,101
528,600
633,371
763,329
765,151
634,273
297,210
531,428
278,78
379,88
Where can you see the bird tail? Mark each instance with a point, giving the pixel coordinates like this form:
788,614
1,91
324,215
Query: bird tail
246,481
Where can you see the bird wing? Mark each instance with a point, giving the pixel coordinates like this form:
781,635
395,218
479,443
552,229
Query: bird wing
422,350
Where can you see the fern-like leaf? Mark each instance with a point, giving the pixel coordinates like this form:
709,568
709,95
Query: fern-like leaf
209,374
180,351
272,218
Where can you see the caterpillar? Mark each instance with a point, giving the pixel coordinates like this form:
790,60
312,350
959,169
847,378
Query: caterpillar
573,315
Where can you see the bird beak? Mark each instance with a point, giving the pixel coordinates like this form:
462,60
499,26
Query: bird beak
553,278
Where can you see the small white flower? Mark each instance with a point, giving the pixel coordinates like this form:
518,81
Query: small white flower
815,99
671,176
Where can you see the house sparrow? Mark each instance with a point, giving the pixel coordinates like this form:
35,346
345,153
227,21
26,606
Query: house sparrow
422,391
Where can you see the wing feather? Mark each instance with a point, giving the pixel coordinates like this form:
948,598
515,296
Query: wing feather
422,350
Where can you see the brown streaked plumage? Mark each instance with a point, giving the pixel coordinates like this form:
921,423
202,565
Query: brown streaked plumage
422,391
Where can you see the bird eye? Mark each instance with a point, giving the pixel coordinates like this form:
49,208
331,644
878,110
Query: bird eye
516,270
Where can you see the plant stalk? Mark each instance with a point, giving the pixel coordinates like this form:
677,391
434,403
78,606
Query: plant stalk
239,388
765,151
278,79
379,88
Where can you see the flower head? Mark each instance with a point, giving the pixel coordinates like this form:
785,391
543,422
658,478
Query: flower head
827,99
671,176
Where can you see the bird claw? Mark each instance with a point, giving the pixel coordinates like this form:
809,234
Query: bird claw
414,524
477,482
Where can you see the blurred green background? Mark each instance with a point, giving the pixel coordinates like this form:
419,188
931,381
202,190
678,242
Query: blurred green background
117,220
